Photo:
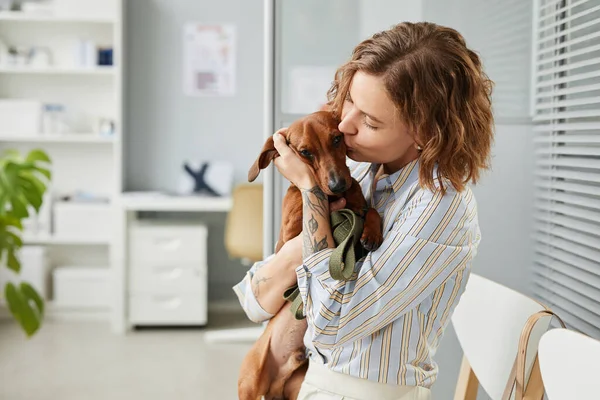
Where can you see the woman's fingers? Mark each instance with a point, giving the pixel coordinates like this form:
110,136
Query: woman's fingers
337,205
280,145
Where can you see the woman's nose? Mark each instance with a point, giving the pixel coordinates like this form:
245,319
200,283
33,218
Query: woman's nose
346,126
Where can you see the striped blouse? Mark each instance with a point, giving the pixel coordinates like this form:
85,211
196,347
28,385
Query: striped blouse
386,322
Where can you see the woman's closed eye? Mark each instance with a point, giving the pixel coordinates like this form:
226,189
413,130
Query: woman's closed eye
369,126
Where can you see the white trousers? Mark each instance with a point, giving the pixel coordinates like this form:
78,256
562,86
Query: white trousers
321,383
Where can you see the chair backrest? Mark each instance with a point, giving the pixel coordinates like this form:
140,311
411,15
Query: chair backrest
488,322
243,228
569,365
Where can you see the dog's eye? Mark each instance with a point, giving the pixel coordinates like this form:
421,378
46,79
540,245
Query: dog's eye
306,153
337,140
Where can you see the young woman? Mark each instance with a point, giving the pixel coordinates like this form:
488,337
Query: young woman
415,108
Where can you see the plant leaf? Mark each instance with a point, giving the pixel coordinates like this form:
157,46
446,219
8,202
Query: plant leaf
32,179
33,197
21,309
37,155
31,294
12,262
12,222
19,208
44,171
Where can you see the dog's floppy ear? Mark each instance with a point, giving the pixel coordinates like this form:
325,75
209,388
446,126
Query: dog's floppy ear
267,155
254,381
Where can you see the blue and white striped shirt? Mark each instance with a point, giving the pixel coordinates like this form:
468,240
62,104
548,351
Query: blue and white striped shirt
385,323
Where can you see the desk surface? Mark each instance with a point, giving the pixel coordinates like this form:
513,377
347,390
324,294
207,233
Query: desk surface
175,203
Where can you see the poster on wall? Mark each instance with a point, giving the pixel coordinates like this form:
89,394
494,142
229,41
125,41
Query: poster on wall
308,86
209,59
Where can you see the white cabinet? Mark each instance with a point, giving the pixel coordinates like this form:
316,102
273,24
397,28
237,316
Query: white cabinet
167,274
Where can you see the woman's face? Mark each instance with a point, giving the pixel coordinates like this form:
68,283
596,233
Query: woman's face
372,127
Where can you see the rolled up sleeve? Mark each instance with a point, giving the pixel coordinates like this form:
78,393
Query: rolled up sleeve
246,297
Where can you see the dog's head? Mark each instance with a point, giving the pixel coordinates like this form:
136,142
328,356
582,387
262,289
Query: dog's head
317,140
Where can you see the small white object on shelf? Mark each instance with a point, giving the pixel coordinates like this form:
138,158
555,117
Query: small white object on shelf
21,117
85,220
34,270
54,120
81,287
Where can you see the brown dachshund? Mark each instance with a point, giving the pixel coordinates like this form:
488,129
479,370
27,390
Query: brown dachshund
276,364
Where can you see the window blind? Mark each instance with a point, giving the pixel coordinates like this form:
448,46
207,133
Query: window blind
566,116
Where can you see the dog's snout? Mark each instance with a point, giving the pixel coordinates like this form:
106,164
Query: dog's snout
336,184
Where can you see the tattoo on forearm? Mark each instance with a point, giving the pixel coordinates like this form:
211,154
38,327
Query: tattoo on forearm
315,204
314,200
313,224
256,281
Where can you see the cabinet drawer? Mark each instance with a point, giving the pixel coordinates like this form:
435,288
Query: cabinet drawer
155,277
167,244
168,309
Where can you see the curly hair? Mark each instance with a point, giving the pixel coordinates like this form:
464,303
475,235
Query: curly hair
441,92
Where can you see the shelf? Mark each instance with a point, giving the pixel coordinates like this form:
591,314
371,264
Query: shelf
66,138
32,17
97,71
65,241
175,203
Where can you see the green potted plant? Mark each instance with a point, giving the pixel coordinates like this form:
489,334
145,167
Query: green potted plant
23,182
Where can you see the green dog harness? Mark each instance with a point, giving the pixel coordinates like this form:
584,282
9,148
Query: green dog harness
347,229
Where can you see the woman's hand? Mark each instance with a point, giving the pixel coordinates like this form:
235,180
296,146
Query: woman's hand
290,165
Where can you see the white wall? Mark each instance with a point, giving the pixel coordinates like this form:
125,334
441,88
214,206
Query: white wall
378,15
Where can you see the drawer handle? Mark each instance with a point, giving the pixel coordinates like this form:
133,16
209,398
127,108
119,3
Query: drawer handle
168,272
168,301
169,244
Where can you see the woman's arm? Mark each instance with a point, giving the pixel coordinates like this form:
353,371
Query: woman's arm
272,279
316,228
431,244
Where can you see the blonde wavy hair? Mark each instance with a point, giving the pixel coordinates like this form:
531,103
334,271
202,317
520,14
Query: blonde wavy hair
441,92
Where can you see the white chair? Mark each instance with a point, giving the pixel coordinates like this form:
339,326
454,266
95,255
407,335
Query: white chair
569,365
488,321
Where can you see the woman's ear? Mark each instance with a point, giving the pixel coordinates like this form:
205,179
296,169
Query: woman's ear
267,155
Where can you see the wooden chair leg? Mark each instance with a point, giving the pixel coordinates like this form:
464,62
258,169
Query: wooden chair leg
467,384
535,386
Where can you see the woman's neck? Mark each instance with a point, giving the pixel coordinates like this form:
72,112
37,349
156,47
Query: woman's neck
411,155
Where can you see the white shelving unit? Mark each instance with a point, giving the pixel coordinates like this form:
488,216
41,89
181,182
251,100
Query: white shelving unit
58,70
65,138
82,159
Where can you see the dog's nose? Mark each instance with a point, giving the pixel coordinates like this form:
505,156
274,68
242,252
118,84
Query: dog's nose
336,184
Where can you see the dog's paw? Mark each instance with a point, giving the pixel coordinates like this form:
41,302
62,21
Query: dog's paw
371,240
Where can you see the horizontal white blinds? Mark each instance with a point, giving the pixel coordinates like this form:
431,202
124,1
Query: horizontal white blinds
500,32
566,116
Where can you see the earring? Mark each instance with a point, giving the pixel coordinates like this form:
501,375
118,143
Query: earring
418,147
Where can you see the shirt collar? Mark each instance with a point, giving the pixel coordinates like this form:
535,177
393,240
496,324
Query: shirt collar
399,180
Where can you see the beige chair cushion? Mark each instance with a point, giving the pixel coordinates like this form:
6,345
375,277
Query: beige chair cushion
244,226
